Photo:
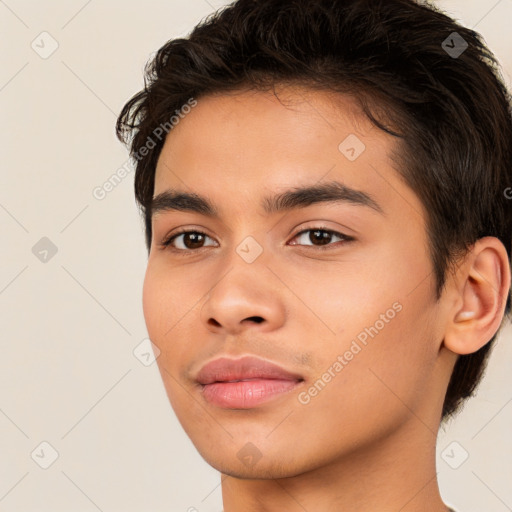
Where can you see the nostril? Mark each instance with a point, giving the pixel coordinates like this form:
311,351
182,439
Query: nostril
256,319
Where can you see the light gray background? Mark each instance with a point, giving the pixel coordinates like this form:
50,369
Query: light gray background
70,325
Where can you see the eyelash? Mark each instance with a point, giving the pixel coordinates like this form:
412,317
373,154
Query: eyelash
166,244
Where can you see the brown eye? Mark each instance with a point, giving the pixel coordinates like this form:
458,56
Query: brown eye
193,240
320,237
187,241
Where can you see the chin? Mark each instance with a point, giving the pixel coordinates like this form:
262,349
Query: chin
247,462
259,471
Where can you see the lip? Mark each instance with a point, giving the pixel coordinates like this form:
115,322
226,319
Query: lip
245,382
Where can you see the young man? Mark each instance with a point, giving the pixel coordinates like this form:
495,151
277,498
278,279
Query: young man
324,185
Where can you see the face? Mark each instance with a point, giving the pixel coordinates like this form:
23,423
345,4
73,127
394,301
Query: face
331,291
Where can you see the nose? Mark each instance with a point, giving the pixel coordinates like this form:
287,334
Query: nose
245,297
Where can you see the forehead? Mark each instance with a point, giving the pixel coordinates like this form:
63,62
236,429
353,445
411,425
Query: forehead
246,144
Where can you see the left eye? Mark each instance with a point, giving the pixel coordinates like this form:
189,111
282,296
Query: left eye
319,237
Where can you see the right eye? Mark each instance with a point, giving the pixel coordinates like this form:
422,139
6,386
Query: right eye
186,241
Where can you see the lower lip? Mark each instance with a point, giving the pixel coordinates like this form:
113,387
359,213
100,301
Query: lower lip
246,394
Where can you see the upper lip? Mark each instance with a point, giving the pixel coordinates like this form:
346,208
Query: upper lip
225,369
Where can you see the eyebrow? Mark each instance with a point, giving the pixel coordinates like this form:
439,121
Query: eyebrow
298,197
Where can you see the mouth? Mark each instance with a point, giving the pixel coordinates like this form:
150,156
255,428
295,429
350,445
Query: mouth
244,383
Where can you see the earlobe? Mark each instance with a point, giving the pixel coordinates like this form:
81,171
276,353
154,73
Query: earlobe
483,284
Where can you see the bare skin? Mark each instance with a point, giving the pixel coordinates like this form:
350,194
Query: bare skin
365,439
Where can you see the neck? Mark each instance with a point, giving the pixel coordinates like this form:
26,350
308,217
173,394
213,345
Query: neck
394,474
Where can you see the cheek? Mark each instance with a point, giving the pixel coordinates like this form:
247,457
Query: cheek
172,298
345,297
167,296
381,312
163,304
162,307
392,357
380,383
152,303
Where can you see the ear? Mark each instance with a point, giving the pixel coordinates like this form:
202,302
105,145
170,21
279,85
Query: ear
482,285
